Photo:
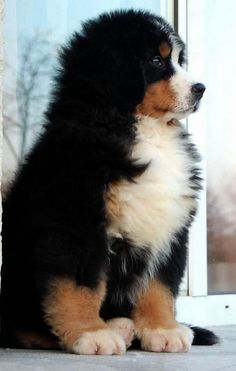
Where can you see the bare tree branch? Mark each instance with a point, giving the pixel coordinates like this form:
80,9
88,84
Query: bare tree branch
12,148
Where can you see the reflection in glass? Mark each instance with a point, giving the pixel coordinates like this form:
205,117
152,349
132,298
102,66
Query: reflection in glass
221,148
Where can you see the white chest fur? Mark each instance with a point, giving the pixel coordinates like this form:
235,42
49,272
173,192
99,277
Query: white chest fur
152,210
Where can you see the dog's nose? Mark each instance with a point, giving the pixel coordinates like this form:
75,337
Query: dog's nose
198,89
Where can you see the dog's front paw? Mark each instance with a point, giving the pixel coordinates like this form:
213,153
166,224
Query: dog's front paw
178,339
104,341
124,327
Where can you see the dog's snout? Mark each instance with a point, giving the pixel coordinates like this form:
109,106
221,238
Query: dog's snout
198,90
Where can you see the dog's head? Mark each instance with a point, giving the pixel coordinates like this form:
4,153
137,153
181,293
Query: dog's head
132,61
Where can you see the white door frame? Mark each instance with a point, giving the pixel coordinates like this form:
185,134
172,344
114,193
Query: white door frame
197,263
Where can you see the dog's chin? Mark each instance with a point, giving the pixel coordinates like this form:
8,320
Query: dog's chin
183,114
177,115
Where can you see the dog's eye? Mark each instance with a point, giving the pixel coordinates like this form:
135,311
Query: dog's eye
157,61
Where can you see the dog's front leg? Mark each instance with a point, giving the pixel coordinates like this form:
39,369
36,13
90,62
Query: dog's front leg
155,324
72,312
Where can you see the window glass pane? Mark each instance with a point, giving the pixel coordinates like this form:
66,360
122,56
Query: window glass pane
33,30
221,149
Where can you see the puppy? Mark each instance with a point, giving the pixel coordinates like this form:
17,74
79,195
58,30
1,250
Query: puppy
95,225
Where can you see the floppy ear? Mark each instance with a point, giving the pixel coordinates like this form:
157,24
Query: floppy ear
127,84
101,76
116,80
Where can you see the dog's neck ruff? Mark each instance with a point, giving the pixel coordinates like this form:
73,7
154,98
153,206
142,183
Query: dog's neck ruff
151,210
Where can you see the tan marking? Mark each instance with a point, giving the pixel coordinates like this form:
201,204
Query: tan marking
155,308
71,310
113,206
34,340
158,100
174,122
165,50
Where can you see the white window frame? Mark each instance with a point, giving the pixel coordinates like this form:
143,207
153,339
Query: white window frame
198,307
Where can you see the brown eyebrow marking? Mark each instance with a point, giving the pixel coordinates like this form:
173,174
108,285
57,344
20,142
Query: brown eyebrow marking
165,49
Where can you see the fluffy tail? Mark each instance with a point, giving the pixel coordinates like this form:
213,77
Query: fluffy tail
203,336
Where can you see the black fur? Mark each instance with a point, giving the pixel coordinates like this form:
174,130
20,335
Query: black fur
54,220
203,336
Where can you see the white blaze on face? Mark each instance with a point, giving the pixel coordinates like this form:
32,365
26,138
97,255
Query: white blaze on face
181,84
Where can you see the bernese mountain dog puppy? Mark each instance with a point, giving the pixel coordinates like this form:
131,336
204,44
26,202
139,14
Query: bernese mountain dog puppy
95,225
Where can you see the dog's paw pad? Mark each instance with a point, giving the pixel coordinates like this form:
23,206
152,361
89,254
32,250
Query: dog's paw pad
104,341
174,340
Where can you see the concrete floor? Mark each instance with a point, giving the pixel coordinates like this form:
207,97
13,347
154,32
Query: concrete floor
218,358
